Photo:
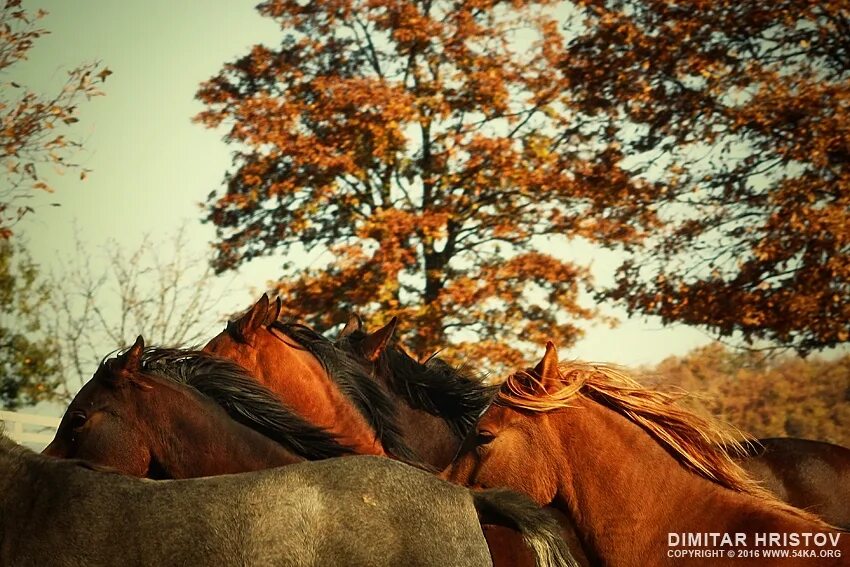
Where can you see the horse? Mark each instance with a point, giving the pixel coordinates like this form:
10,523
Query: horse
361,510
176,414
324,384
437,403
171,413
808,474
636,473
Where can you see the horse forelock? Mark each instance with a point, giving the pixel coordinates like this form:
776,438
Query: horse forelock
244,399
354,380
704,445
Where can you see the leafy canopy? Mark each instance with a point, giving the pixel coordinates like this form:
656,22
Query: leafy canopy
428,149
741,111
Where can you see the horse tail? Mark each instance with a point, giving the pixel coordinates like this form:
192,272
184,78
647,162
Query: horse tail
540,530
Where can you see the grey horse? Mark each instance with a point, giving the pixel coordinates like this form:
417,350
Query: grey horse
357,511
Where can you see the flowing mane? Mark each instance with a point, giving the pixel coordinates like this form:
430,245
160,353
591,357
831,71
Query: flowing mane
243,398
705,446
354,380
434,386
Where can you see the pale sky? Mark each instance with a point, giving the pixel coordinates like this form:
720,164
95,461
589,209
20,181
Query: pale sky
152,166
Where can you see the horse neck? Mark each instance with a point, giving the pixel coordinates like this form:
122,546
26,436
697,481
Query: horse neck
198,438
429,436
625,492
302,383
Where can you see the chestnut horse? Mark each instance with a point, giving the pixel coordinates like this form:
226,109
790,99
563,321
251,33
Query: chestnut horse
324,384
636,473
808,474
172,414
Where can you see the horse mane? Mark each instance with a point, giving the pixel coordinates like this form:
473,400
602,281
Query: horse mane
449,392
704,445
356,384
244,399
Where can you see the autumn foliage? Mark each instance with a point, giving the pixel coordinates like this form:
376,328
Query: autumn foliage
32,125
768,397
740,109
428,148
437,152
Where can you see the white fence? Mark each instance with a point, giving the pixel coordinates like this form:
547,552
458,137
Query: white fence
29,429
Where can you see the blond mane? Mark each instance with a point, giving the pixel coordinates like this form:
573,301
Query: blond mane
706,446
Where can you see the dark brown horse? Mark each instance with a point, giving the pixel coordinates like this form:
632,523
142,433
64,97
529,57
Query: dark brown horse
325,385
634,471
438,406
437,403
168,413
813,475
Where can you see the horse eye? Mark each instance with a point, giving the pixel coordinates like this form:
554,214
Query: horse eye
484,437
76,420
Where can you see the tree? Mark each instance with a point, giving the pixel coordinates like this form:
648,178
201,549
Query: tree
780,396
32,124
27,365
158,289
427,149
740,110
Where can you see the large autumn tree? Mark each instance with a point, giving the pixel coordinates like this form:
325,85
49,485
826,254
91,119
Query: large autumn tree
741,110
428,149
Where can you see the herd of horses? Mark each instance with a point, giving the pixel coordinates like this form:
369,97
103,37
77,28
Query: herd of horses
352,452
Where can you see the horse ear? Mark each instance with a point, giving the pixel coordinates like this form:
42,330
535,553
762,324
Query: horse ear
131,361
253,319
274,311
124,368
354,324
374,343
547,368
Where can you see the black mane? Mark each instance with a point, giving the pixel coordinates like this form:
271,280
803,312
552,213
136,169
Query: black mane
435,386
355,381
243,398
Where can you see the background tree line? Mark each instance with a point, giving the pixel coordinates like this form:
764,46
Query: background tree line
782,396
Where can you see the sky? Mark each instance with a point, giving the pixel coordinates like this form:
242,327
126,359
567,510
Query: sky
152,167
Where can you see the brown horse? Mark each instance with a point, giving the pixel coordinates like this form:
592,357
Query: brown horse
169,414
325,385
437,403
808,474
641,477
438,406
